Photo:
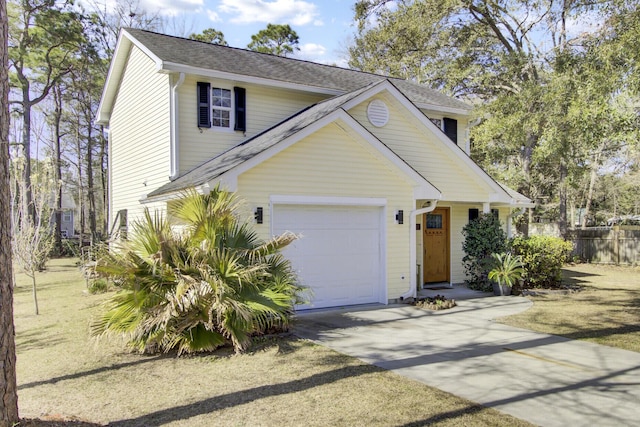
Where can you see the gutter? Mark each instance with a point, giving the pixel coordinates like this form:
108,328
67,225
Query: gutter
413,290
174,147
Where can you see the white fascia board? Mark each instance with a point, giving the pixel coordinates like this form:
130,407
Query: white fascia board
174,195
443,109
454,149
116,69
112,82
205,72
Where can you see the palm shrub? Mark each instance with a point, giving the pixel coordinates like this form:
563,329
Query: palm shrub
483,236
507,269
211,282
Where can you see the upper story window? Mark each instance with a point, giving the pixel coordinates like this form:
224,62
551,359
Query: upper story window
221,108
221,104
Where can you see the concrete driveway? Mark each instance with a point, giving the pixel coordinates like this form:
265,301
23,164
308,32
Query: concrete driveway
544,379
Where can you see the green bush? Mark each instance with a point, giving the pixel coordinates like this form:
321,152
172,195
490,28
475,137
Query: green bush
98,286
543,258
482,237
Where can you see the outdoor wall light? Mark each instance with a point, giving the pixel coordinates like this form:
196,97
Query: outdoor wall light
400,216
258,215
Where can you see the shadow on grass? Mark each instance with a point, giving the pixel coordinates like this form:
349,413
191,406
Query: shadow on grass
91,372
242,397
34,422
576,278
445,416
37,338
601,333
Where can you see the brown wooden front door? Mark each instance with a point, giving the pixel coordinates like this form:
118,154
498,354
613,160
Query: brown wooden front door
435,241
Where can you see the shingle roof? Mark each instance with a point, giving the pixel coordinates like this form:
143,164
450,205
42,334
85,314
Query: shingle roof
207,56
257,144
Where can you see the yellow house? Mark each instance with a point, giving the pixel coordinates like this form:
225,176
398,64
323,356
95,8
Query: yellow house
373,173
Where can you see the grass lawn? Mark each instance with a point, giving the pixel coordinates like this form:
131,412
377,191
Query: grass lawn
606,311
66,378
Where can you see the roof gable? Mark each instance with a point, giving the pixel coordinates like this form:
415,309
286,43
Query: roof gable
453,151
175,54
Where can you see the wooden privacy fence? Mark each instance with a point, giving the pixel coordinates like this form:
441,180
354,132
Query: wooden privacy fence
608,245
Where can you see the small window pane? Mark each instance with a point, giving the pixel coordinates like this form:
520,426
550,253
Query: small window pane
434,221
221,98
221,118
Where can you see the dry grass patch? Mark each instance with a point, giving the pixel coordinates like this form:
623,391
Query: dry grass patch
66,379
606,310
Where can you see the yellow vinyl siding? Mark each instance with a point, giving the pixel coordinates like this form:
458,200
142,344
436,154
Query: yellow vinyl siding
424,152
330,163
265,108
139,135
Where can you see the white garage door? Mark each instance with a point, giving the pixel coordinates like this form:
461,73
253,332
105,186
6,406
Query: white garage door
339,254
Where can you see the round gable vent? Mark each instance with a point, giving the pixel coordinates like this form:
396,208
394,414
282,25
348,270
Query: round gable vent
378,113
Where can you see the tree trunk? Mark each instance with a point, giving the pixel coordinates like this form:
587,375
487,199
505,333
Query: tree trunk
587,207
91,198
26,145
562,220
58,164
525,187
8,384
80,181
35,293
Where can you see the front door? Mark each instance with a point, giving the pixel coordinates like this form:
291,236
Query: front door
435,241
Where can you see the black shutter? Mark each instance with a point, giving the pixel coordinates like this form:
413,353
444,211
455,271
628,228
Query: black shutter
451,129
204,105
241,108
473,214
496,213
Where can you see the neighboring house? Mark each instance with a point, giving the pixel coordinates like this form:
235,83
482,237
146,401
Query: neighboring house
68,208
374,173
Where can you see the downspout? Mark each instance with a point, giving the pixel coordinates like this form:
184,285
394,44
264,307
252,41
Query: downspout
509,217
174,149
413,292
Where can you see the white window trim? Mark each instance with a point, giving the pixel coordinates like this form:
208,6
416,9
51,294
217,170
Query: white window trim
231,110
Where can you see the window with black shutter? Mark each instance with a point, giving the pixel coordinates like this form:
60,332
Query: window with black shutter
240,108
473,214
451,129
204,105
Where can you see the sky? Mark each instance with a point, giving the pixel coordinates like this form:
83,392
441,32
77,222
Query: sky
324,27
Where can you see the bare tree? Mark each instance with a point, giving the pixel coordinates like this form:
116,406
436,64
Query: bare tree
33,238
8,385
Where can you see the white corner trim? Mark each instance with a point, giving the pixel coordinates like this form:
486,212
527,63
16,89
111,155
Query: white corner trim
175,128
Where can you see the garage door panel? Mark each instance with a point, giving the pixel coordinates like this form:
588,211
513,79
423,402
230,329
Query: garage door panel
339,253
